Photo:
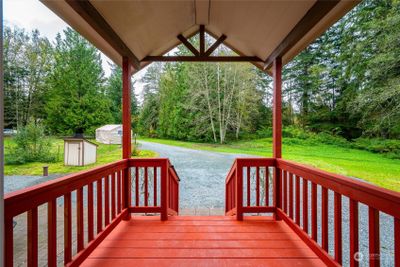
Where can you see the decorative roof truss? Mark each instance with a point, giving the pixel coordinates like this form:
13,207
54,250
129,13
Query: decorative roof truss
202,55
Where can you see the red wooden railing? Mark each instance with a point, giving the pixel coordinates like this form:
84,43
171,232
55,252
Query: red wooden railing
155,187
248,187
296,201
101,195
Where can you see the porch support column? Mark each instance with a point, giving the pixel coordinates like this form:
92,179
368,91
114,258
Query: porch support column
277,108
277,128
2,232
126,130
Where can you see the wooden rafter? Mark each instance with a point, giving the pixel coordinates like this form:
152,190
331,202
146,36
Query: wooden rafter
202,59
188,45
202,40
318,11
202,55
215,45
89,13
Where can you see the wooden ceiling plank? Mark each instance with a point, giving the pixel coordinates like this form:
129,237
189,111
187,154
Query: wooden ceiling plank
89,13
317,12
202,59
215,45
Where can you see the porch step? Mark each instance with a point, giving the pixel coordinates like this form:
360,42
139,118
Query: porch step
202,241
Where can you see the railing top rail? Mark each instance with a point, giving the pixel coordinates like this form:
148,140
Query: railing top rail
174,173
147,162
255,162
25,199
231,172
385,200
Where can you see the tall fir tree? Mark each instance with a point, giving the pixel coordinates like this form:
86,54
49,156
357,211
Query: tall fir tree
76,98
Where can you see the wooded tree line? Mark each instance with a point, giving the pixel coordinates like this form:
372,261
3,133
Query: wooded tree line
59,85
346,83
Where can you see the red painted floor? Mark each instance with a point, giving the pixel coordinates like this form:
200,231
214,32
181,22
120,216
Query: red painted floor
202,241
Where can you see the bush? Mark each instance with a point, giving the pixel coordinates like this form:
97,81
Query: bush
329,139
389,147
295,132
32,145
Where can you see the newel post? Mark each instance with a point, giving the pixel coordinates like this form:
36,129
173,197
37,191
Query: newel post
164,190
239,190
126,130
277,127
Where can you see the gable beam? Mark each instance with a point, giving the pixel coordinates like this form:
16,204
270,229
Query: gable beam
201,59
318,11
89,13
202,40
215,45
188,45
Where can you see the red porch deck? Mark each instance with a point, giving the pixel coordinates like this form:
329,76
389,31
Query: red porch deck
99,230
202,241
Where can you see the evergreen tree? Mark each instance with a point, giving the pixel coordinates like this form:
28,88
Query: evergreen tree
76,97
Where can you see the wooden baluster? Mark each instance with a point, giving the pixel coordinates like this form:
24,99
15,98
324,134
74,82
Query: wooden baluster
266,185
285,192
338,227
33,237
119,188
99,206
52,233
324,218
67,228
79,219
353,212
137,186
257,186
248,187
90,212
314,212
9,241
374,250
396,242
291,195
146,187
155,187
106,200
305,205
113,196
297,200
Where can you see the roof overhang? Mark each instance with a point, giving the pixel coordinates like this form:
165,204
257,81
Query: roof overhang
139,29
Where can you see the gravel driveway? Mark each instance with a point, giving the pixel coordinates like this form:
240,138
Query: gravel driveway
202,174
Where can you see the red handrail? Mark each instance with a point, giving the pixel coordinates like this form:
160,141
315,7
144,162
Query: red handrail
376,198
296,201
254,170
108,200
29,199
159,174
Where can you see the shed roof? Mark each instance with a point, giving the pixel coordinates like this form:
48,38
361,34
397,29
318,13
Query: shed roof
109,127
140,28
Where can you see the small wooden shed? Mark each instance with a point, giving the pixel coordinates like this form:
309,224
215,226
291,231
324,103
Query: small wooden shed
79,152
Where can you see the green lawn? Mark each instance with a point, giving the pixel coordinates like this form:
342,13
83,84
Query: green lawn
371,167
105,154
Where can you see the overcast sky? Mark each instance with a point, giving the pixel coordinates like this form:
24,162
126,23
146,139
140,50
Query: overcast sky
32,14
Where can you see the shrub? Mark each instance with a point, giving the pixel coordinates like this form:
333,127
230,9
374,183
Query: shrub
32,145
389,147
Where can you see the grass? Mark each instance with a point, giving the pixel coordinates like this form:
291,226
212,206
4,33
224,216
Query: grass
371,167
105,154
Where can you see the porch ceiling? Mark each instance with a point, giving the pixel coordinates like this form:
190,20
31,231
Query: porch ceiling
253,28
